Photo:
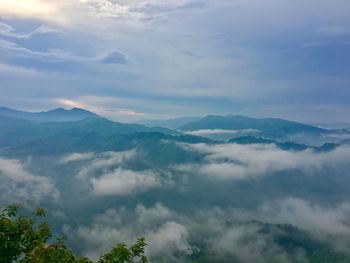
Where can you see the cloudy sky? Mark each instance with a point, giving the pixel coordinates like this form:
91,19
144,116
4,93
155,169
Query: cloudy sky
148,59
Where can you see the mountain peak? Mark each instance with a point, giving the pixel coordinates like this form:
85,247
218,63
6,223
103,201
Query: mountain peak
57,114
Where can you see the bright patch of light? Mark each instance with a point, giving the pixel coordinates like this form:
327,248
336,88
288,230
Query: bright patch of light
27,7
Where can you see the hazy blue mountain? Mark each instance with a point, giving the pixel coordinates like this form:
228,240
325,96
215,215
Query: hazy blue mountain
17,131
9,123
269,126
170,124
346,141
335,125
58,114
282,145
158,181
71,141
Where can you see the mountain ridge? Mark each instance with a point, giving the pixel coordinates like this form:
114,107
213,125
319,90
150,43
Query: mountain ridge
275,126
54,115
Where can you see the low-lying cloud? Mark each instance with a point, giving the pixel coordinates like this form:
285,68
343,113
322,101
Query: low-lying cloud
19,185
207,132
123,182
223,234
165,235
328,223
234,161
102,162
109,174
73,157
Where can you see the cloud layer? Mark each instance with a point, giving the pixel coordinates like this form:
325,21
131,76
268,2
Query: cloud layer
108,173
165,236
19,185
221,233
123,182
234,162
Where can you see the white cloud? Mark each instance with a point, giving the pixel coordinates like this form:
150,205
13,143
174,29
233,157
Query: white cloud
50,55
124,182
7,30
105,8
105,162
245,243
234,161
235,232
148,216
165,237
207,132
19,185
108,174
326,223
223,233
62,11
108,112
73,157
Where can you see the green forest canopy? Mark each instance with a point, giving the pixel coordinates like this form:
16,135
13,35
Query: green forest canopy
27,239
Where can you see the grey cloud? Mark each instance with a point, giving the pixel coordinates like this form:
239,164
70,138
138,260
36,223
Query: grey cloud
115,58
194,5
9,31
231,66
58,55
53,54
158,7
19,71
333,31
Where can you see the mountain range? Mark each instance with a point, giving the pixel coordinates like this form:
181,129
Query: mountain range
259,187
170,123
58,114
86,128
271,126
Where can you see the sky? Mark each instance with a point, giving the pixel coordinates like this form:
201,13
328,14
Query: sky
157,59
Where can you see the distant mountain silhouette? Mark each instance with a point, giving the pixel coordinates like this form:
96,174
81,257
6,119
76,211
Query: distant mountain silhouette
54,115
267,126
287,146
170,123
15,131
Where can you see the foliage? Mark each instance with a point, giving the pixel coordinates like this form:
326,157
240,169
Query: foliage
26,239
120,253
